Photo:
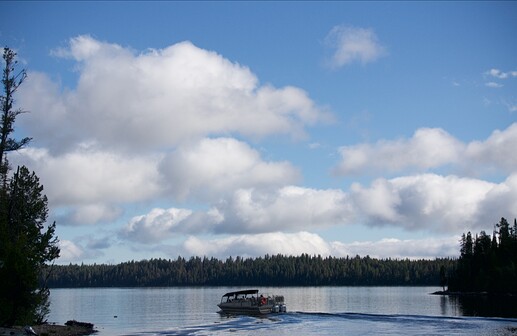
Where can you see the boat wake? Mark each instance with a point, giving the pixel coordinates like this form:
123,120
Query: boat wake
312,323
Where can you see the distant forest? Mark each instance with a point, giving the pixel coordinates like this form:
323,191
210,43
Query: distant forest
488,263
275,270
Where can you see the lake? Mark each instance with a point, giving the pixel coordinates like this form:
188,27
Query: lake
310,311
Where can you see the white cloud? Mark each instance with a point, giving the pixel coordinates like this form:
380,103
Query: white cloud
424,203
83,47
259,245
495,153
494,85
501,74
89,184
92,176
500,77
289,208
428,148
377,204
212,168
429,248
436,203
246,211
431,149
156,226
186,104
70,252
93,181
312,244
159,98
501,201
353,44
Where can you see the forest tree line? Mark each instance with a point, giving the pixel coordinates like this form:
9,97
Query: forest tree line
275,270
487,263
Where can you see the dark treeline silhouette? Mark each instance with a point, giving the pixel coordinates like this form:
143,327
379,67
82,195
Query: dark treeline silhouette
276,270
487,264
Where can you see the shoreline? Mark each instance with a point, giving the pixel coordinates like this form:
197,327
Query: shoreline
70,328
511,295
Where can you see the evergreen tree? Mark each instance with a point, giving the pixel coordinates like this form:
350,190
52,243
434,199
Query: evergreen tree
504,232
11,82
26,243
487,264
443,277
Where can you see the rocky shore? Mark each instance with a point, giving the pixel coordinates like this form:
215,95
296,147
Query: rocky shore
71,328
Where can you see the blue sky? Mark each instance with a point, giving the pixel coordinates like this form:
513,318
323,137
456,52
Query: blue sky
244,128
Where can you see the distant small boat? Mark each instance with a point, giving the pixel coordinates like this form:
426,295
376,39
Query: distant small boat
250,301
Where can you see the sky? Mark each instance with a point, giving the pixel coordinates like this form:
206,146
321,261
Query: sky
217,129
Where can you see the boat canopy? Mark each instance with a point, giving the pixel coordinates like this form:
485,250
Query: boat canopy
242,292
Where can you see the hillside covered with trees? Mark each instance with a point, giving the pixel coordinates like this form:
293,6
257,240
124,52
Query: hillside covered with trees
277,270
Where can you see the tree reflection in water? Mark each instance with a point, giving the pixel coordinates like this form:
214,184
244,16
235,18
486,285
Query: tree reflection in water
485,305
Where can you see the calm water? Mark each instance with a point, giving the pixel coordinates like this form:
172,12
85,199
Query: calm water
311,311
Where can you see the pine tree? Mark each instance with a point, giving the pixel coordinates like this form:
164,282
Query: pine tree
487,264
11,82
27,244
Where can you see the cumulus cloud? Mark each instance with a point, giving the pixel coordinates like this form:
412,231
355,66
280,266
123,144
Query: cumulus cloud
90,184
351,44
312,244
428,148
91,181
157,225
69,251
496,152
89,175
163,124
212,168
424,203
290,207
158,98
72,252
259,245
431,149
432,202
246,211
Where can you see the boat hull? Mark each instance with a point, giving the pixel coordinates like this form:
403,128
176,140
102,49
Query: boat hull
247,310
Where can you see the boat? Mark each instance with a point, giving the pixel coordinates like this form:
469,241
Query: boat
250,301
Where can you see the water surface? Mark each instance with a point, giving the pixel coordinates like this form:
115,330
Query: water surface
311,310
